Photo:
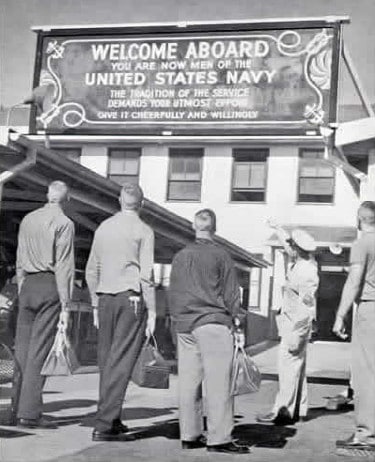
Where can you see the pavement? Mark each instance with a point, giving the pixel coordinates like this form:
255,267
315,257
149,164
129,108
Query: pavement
153,416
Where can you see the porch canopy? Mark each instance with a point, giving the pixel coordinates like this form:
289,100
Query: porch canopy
323,235
93,199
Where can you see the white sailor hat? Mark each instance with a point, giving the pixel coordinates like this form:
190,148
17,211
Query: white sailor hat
303,240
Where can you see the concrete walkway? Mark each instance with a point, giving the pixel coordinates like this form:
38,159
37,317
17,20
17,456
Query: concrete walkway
71,401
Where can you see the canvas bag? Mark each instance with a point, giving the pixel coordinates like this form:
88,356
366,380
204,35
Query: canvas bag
151,369
61,360
246,377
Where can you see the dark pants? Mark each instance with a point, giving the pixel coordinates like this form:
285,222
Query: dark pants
39,310
120,338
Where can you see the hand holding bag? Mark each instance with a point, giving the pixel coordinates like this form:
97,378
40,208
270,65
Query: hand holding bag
246,377
151,370
61,360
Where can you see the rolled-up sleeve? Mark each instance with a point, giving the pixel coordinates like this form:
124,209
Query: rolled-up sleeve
93,272
146,261
64,262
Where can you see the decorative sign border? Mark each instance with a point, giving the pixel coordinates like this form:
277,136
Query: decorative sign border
317,57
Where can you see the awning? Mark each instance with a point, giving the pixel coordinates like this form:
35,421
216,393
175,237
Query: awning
323,235
93,199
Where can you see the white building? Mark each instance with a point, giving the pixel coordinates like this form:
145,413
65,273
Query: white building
246,184
246,180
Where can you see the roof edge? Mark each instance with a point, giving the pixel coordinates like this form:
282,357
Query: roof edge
71,168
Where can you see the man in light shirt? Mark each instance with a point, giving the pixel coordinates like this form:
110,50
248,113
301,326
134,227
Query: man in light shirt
119,276
360,288
45,276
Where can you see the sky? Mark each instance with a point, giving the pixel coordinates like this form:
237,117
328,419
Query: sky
18,42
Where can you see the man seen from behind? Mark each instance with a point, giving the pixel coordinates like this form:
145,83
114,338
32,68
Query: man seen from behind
204,300
119,276
45,276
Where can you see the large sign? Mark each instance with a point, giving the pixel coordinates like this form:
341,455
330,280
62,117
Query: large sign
267,80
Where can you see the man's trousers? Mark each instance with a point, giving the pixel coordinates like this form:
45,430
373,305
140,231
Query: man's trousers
206,355
120,338
363,369
39,310
292,395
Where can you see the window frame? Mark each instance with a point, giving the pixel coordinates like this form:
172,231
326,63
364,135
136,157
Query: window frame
298,201
256,307
254,149
127,148
179,152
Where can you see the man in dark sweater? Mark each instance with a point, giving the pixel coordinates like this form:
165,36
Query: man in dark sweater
204,300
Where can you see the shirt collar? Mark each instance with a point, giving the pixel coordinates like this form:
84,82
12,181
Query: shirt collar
129,213
53,206
201,240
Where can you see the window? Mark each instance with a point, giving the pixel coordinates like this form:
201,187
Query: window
249,175
185,174
316,181
123,165
70,153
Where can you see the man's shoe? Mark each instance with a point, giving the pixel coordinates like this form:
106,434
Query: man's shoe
229,448
266,418
279,419
110,435
282,421
199,442
284,418
353,442
338,402
119,427
37,423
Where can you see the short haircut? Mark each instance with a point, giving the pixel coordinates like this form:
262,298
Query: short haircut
210,213
131,196
366,212
58,192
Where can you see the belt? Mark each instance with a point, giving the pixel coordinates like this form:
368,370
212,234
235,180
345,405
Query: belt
39,272
129,293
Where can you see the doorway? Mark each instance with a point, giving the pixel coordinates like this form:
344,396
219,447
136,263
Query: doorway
329,295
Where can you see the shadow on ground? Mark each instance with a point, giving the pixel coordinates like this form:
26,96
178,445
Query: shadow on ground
263,436
55,406
133,413
168,429
6,433
317,412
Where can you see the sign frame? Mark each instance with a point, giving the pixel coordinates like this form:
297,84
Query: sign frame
188,30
